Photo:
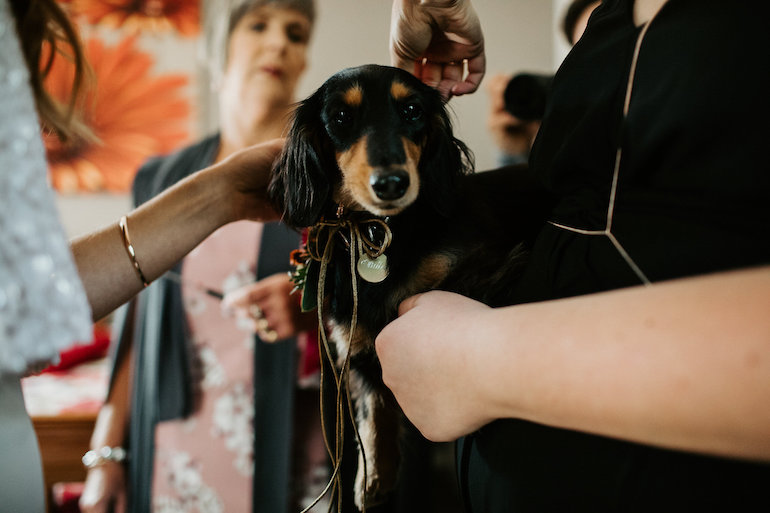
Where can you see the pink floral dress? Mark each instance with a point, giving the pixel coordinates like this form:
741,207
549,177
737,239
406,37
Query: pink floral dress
204,464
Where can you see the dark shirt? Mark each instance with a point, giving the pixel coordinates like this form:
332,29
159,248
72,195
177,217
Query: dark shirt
693,197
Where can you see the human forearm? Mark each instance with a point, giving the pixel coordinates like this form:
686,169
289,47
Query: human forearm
166,228
161,232
112,422
105,485
680,364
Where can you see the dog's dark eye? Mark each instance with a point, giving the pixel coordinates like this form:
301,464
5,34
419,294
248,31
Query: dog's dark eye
411,112
341,118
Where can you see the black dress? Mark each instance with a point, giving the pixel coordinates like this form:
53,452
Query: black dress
692,197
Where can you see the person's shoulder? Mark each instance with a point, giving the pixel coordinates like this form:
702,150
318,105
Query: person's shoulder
161,171
198,151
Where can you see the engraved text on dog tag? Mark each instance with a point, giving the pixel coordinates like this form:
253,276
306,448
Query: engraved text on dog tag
373,271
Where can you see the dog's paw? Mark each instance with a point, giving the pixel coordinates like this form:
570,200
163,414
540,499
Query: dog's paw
371,490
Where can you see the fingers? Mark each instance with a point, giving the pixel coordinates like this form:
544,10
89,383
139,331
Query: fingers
495,88
438,56
249,173
477,67
104,490
408,304
497,83
260,325
430,74
452,75
382,341
267,308
448,78
119,506
254,318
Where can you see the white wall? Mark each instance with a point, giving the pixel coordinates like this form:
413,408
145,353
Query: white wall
560,44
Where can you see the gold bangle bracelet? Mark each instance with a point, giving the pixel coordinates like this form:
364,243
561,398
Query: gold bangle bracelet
123,224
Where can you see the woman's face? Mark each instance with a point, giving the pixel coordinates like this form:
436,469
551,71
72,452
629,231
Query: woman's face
267,53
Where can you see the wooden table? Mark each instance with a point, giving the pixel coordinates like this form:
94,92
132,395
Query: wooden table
63,440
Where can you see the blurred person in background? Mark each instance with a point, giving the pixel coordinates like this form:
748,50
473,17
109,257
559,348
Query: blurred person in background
212,418
514,135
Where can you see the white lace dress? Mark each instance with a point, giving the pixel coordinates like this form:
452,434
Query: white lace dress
43,307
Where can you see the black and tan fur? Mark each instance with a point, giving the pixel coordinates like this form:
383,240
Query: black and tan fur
374,139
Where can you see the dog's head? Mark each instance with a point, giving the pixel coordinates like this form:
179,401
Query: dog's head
371,138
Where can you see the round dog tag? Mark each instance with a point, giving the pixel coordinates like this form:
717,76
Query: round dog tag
373,271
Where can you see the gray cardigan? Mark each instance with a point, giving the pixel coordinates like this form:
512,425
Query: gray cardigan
162,388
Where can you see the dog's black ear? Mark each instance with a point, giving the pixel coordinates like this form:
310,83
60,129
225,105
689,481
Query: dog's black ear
299,186
444,159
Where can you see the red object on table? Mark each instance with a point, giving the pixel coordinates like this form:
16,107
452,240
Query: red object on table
66,497
80,353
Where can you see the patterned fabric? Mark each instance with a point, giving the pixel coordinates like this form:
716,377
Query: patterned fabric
43,307
204,463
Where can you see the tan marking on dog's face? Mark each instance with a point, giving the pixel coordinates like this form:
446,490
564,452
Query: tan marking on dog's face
356,193
413,153
354,96
399,91
354,189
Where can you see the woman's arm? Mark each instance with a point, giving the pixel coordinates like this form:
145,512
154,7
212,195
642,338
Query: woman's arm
105,486
166,228
683,364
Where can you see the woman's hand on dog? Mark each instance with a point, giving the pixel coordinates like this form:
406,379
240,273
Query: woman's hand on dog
433,361
247,173
434,40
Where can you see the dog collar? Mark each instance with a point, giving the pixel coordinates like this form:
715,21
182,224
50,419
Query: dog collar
366,239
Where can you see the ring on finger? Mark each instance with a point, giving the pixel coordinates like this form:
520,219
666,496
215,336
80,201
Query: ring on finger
262,324
255,311
268,335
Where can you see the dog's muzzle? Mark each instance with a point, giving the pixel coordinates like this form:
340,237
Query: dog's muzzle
390,184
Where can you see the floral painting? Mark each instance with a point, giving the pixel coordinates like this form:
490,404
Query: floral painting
134,110
133,115
137,15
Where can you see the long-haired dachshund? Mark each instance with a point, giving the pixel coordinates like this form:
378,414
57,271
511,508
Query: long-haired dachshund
372,166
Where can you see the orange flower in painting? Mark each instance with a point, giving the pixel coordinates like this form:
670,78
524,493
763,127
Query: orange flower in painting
155,15
133,115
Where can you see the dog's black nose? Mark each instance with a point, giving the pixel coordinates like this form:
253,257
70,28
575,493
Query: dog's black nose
390,185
